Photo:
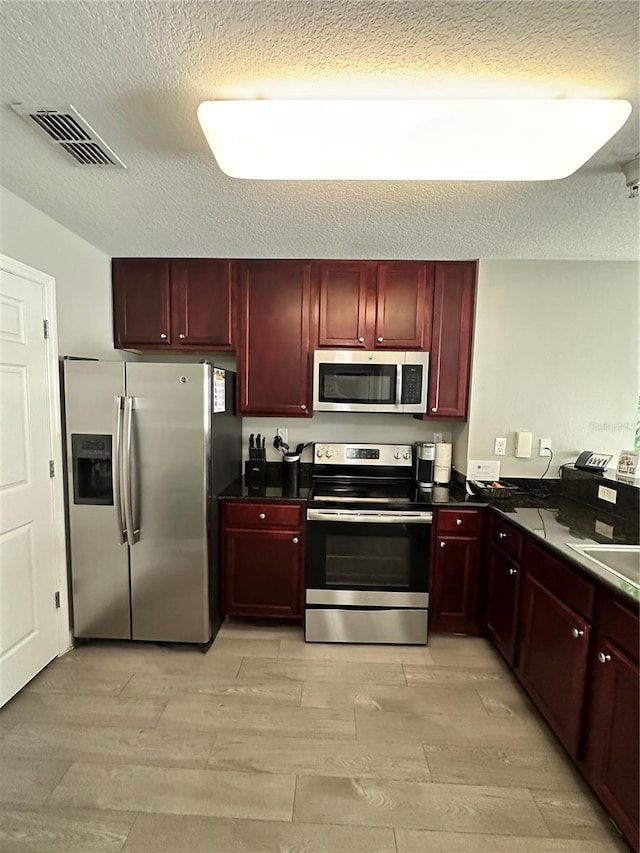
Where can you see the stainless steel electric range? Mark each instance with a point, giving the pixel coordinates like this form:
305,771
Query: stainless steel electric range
368,543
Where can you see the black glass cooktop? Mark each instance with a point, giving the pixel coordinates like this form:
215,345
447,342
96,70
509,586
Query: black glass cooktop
365,493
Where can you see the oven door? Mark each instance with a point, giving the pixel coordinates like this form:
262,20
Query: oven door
368,557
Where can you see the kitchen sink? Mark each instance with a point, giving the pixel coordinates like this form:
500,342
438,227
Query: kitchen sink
622,560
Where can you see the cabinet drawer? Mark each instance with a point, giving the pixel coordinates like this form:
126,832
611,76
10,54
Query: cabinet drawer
246,514
506,537
465,522
571,587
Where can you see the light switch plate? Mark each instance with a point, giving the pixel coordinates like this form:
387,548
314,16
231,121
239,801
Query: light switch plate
483,469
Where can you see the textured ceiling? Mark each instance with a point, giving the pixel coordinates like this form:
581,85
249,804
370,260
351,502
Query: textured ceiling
137,72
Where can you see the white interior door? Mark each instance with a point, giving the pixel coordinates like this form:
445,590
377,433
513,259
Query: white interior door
28,573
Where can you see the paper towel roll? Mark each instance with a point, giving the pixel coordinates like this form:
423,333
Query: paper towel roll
442,464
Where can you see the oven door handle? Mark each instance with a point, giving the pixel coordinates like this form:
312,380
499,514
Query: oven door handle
370,516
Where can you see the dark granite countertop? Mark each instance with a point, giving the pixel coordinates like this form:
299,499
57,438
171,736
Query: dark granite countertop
242,490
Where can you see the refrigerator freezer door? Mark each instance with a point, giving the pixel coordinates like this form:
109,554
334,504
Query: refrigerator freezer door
99,562
170,459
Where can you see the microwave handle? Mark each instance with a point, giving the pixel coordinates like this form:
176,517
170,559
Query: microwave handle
399,385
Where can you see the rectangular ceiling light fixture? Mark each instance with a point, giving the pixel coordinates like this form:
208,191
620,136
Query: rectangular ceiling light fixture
423,140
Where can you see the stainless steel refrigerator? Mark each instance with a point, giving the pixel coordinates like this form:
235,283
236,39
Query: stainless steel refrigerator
148,447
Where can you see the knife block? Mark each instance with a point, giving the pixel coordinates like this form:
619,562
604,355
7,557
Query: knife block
255,471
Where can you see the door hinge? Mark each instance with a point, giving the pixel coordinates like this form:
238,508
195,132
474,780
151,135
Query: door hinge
45,324
52,468
57,600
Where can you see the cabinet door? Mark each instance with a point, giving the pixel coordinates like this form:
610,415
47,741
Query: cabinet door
344,289
613,746
503,584
273,354
141,303
263,573
202,302
453,305
554,646
403,305
453,587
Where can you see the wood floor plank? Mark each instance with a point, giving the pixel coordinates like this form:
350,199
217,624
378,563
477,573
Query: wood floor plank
426,841
418,805
29,780
80,678
150,657
263,796
462,700
573,814
351,652
153,833
500,766
244,647
277,720
112,744
218,688
318,757
95,710
451,675
36,829
259,669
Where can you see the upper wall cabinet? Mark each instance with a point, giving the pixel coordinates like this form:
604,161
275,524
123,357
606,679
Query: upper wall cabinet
450,359
375,305
273,350
177,305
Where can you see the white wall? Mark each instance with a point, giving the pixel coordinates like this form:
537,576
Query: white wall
82,274
555,352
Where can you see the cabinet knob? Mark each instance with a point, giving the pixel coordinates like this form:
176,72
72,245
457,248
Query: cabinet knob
458,521
380,340
577,632
604,658
163,336
295,540
303,406
434,409
513,572
360,340
442,544
502,535
182,337
263,515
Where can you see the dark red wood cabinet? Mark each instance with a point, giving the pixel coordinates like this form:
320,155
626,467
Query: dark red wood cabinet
179,305
453,588
502,590
262,559
451,340
374,305
274,368
612,748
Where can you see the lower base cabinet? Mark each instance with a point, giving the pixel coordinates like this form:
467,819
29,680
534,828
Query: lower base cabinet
262,559
453,586
612,723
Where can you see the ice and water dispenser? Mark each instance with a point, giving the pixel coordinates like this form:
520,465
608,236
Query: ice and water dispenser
92,462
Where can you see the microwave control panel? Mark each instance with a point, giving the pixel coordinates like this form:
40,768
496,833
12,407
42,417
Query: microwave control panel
412,384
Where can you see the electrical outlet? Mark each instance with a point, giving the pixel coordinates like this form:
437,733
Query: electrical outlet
606,494
438,437
283,433
545,444
499,446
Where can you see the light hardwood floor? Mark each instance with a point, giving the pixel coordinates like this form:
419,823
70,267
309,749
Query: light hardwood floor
268,745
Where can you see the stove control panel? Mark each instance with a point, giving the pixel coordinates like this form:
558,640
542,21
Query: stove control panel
396,455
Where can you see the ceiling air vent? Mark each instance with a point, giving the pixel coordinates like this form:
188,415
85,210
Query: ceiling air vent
65,127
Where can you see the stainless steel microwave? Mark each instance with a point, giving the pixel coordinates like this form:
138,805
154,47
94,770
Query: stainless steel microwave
361,381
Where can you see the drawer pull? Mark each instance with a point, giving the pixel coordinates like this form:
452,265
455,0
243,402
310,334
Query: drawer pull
604,658
442,544
503,535
577,632
263,515
295,540
182,337
458,521
380,340
513,572
163,337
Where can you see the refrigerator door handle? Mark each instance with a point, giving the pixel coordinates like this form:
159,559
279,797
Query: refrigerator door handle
116,469
132,534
